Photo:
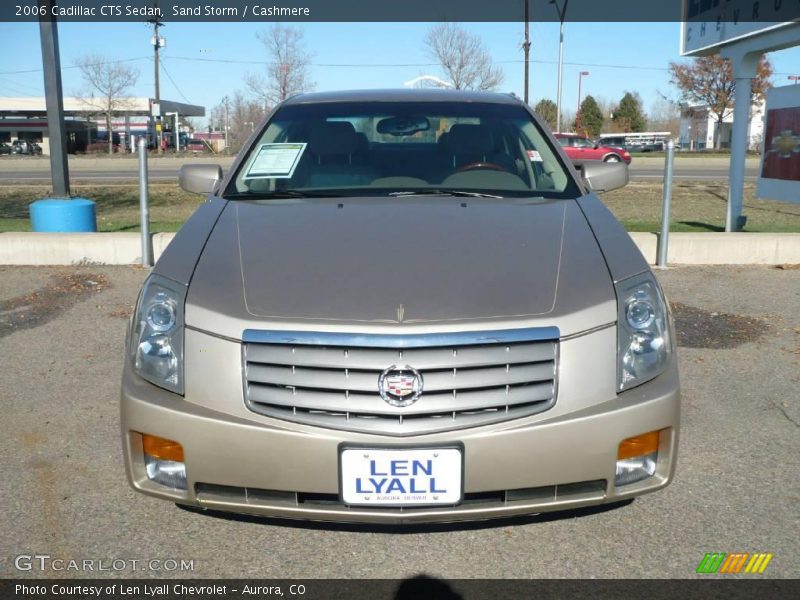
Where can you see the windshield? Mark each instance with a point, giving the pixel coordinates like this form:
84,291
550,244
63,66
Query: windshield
399,148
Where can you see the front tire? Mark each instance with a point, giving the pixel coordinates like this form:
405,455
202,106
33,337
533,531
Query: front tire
612,158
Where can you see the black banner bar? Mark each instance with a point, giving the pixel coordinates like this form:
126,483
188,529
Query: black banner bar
709,11
421,587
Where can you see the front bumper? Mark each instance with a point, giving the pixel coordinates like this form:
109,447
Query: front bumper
238,461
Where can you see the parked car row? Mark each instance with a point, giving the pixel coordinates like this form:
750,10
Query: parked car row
22,147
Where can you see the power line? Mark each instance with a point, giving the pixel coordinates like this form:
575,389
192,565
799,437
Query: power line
164,68
105,62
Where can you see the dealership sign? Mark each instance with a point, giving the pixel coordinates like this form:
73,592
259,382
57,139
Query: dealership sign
708,24
779,178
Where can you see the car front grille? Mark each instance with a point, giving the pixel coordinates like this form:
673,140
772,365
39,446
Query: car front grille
331,380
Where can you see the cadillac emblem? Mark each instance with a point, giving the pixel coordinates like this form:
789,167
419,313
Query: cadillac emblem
400,386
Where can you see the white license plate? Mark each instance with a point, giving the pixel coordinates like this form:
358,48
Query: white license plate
401,477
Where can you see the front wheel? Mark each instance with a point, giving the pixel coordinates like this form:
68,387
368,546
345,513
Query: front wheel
611,158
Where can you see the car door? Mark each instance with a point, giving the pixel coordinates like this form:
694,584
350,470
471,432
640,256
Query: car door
581,150
569,148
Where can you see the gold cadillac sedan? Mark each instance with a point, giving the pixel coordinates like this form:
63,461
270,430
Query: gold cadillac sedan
400,306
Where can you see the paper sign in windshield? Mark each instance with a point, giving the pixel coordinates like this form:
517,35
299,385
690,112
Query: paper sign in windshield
276,161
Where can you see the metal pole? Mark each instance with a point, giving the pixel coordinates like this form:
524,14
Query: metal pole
560,75
144,205
54,101
578,114
526,45
227,147
741,119
666,201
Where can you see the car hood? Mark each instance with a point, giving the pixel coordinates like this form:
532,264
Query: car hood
400,263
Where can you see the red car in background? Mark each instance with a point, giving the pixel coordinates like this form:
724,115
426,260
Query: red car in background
579,149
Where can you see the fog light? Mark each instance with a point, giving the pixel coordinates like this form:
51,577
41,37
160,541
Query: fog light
163,461
636,458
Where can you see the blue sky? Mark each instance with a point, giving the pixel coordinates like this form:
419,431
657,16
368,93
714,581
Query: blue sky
619,56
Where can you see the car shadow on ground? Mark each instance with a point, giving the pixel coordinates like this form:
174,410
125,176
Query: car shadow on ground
413,527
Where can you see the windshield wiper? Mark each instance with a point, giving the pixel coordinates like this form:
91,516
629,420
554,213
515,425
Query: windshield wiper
278,194
443,192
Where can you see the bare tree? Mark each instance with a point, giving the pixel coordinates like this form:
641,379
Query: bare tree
288,72
664,115
241,116
709,81
463,58
108,82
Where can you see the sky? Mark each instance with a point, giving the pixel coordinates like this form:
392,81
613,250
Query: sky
203,62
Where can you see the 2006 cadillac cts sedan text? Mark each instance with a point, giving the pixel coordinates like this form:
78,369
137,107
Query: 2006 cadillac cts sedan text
400,306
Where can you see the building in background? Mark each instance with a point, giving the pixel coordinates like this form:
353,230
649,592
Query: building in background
698,127
26,119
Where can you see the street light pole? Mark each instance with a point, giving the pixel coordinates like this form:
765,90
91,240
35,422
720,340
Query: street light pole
578,114
562,13
227,146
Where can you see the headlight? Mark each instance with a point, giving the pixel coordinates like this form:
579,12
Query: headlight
157,335
644,344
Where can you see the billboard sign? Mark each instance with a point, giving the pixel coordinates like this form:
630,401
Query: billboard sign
779,178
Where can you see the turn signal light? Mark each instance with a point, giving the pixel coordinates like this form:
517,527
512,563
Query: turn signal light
640,445
162,448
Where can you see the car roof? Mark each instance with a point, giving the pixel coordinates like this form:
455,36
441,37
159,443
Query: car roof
403,95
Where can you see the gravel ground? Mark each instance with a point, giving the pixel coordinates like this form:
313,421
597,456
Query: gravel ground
64,492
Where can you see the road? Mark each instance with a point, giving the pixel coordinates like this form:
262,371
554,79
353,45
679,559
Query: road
117,170
64,492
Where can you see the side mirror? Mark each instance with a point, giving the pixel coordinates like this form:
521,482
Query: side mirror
200,179
604,177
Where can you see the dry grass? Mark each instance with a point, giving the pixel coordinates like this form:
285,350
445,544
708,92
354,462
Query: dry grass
117,205
696,206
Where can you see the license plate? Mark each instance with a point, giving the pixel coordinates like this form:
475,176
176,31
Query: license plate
401,477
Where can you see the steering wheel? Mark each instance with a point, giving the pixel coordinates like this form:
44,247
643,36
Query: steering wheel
482,165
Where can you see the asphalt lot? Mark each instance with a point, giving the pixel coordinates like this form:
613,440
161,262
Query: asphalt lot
64,492
115,170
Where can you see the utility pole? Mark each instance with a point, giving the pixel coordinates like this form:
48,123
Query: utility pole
157,40
526,46
562,13
54,100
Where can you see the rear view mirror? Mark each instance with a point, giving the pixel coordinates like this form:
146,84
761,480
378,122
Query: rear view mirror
403,125
200,179
604,177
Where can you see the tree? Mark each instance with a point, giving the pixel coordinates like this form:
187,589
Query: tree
547,110
709,81
629,115
240,115
109,82
288,72
589,120
664,115
463,57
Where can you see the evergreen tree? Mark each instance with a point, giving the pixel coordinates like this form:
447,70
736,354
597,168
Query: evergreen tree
629,115
547,110
590,120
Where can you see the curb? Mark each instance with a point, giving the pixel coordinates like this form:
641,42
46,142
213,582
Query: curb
29,248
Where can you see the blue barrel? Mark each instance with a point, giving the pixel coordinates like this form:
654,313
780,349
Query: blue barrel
63,215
